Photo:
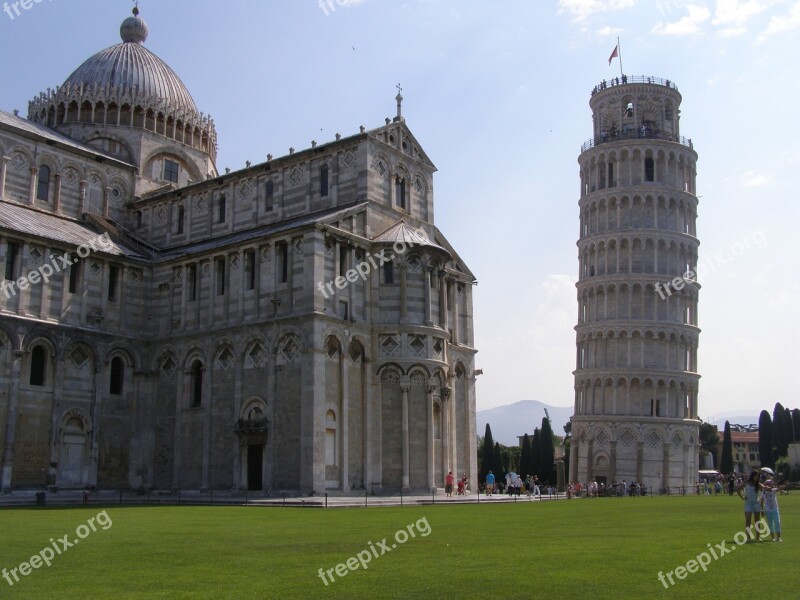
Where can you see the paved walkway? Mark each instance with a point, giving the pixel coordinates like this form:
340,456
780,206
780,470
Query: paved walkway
127,498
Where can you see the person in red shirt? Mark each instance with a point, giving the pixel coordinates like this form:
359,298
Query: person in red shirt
448,484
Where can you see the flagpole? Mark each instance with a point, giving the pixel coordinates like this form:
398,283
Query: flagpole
619,51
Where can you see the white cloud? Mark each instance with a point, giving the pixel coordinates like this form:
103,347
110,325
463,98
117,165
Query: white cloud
732,31
753,179
782,24
607,31
688,25
582,9
736,13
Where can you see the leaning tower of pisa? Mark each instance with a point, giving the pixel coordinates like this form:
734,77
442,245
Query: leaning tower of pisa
636,376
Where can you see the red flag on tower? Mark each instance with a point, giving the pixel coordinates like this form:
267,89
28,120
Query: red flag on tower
614,54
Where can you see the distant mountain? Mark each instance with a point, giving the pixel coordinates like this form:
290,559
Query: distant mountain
519,418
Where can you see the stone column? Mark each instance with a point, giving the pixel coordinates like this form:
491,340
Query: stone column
57,194
32,189
427,285
442,300
401,265
404,388
344,419
106,196
446,450
589,461
82,195
431,470
11,415
612,461
639,461
3,171
94,415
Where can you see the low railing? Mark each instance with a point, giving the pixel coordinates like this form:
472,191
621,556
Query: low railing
626,79
641,133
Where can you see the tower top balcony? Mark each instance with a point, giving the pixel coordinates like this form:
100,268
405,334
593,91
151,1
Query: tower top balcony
631,79
637,109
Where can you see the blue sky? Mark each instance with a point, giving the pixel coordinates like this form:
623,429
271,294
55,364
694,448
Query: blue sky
497,94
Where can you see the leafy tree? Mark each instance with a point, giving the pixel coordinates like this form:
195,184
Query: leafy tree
513,453
726,462
765,439
487,456
547,452
525,457
568,428
500,461
709,441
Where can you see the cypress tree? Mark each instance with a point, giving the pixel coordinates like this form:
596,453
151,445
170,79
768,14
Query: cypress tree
487,458
780,445
547,452
765,439
788,430
796,425
536,453
525,457
726,462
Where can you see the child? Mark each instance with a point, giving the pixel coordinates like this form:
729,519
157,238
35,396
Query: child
771,509
752,507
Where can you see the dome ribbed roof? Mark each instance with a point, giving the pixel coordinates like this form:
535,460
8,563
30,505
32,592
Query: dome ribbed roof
131,68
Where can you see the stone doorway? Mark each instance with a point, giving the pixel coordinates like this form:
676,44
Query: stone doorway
255,467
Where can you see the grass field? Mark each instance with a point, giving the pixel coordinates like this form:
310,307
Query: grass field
600,548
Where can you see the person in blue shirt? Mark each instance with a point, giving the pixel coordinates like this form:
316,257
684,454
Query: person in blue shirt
489,483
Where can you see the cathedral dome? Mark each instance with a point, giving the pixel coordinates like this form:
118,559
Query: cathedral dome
130,68
127,86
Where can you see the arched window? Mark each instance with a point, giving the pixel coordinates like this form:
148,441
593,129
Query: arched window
330,439
388,272
197,383
117,376
400,191
38,365
181,219
269,195
43,185
323,180
649,169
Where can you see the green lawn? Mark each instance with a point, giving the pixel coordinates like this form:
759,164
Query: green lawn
601,548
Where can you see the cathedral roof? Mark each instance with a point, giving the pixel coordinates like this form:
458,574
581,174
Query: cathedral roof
51,228
131,69
402,232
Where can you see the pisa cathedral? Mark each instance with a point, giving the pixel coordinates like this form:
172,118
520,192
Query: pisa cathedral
636,379
200,348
